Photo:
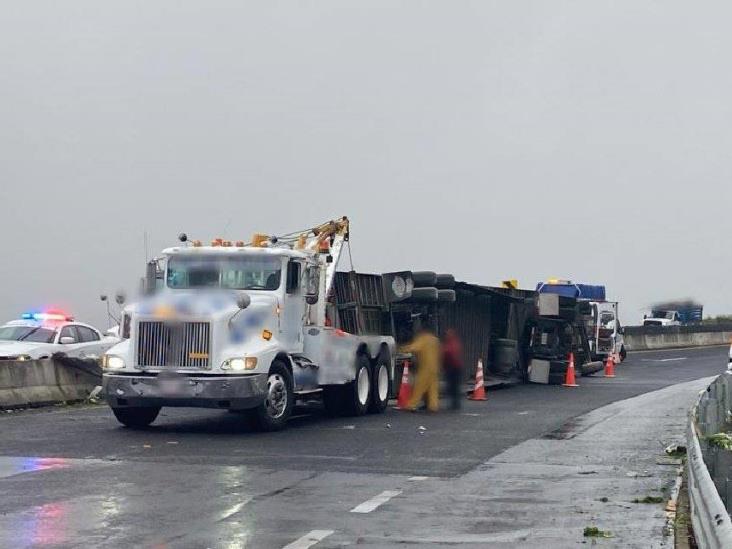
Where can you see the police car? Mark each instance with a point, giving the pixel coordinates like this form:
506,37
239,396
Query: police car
41,335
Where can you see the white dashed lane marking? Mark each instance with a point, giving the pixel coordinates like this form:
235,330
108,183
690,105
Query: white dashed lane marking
309,539
376,501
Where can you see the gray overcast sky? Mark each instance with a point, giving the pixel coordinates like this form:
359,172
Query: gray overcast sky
587,140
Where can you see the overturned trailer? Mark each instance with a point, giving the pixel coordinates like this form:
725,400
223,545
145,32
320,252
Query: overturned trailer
518,335
490,321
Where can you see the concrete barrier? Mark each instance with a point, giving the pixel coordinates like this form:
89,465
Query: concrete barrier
708,476
43,382
645,338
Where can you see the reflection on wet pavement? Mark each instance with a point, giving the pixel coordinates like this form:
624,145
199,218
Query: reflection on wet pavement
10,466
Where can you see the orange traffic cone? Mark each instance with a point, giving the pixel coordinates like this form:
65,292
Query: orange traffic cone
479,391
610,366
405,390
569,379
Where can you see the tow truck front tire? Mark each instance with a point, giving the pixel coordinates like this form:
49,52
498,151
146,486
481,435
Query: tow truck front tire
273,413
136,418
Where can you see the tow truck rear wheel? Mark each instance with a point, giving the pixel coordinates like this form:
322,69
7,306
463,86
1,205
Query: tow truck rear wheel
277,407
359,390
353,398
136,418
380,387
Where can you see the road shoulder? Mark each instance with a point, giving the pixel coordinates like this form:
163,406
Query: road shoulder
594,472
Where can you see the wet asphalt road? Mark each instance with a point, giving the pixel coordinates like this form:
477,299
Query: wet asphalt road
197,478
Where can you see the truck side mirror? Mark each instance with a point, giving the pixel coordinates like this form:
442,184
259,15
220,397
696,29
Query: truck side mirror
152,275
243,301
120,297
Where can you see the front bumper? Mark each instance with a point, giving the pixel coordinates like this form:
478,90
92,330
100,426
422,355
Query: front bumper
238,392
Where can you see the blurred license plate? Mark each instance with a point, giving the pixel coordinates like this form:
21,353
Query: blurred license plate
171,385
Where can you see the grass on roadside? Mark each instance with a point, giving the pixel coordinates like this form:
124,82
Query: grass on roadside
649,499
595,532
676,451
721,440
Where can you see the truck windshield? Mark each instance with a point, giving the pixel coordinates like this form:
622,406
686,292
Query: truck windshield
27,333
234,273
607,319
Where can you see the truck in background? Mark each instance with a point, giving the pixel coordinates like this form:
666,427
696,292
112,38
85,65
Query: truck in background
246,327
674,313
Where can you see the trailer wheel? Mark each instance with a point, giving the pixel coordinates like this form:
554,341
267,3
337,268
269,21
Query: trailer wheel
445,282
380,387
423,295
446,296
273,413
136,418
423,279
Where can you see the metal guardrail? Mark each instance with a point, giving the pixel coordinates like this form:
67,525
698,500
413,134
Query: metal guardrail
709,517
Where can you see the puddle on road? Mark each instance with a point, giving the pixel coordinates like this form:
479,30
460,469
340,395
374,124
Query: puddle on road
10,466
569,429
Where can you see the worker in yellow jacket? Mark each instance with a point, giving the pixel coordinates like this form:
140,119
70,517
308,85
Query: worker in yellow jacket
426,348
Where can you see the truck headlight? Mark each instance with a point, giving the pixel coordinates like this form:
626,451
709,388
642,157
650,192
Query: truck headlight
112,362
239,364
22,358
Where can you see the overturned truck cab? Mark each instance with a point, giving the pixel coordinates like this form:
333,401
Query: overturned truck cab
556,331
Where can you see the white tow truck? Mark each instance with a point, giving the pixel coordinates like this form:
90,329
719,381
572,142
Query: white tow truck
245,327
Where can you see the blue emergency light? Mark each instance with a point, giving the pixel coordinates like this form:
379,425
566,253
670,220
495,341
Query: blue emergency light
49,315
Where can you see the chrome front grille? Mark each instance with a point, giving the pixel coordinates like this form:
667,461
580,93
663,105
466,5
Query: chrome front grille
173,344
